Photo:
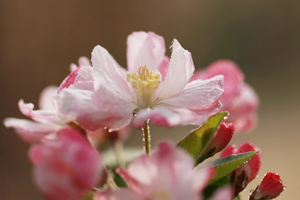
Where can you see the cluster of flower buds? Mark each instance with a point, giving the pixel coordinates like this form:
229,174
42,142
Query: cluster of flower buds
98,103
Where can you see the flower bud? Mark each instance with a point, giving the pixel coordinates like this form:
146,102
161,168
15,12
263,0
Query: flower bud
270,187
248,171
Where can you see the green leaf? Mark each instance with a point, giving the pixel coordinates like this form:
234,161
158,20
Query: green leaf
211,188
237,197
88,196
228,164
197,141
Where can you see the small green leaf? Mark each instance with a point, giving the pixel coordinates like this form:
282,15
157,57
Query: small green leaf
196,141
88,196
237,197
211,188
228,164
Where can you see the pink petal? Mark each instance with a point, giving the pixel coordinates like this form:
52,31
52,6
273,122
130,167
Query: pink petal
46,98
164,66
29,131
180,70
85,73
233,78
84,61
49,117
107,71
197,93
158,117
119,194
230,150
160,174
69,80
61,170
104,108
145,49
203,177
243,109
224,193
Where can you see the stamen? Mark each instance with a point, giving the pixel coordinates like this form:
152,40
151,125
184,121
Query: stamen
144,83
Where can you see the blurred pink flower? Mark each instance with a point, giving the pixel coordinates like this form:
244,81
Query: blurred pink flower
166,174
49,119
238,97
66,168
248,171
154,88
270,187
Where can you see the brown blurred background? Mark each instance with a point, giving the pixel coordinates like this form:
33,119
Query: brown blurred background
39,39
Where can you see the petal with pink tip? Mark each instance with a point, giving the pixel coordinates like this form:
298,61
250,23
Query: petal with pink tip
180,70
197,93
164,66
29,131
104,108
84,61
157,116
145,49
109,72
85,73
69,80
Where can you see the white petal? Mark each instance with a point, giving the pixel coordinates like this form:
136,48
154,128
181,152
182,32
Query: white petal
28,130
180,70
108,70
198,93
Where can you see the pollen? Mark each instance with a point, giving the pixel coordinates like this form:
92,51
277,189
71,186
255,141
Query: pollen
144,84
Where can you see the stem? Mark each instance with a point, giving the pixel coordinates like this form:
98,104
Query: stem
146,134
118,146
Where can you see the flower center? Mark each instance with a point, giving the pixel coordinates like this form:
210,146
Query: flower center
144,83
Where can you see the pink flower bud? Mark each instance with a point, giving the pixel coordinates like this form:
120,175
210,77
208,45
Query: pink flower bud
66,168
248,171
223,136
270,187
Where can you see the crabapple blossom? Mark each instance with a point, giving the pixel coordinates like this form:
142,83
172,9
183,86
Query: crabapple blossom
49,119
270,187
248,171
65,168
168,173
238,97
111,96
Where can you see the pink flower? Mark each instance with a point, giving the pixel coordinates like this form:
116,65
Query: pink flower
270,187
238,98
248,171
66,168
153,88
166,174
49,119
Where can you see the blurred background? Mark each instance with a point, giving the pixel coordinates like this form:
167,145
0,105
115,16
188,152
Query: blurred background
39,40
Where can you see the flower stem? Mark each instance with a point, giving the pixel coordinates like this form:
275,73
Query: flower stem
118,147
146,137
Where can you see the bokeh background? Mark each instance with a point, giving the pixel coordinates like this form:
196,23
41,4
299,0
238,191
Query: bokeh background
39,39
